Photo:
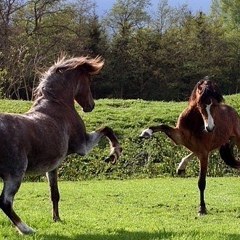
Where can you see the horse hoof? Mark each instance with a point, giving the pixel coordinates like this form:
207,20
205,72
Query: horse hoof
145,134
57,219
114,155
24,229
181,172
111,159
202,212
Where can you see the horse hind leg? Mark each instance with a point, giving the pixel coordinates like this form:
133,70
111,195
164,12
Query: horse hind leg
55,196
10,188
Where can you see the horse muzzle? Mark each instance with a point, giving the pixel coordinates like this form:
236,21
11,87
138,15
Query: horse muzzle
88,108
209,129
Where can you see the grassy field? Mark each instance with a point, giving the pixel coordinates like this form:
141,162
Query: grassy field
136,209
140,209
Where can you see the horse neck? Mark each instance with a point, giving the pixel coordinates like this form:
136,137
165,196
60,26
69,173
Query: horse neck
53,108
191,118
58,90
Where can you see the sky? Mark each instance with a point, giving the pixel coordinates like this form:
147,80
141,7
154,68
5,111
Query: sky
194,5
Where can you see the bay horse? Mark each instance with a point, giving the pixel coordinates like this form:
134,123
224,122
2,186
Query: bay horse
205,125
38,141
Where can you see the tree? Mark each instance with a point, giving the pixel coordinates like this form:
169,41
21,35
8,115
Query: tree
230,12
9,54
122,22
38,32
166,17
226,14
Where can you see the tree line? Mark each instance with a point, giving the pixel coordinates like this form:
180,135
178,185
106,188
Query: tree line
149,54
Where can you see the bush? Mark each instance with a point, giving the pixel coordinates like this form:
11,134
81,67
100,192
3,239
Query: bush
154,157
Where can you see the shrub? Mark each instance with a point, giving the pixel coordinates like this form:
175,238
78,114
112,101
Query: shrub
141,158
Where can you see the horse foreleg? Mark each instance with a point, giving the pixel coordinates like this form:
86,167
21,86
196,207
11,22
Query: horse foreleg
174,133
116,149
55,196
94,138
10,188
202,183
183,164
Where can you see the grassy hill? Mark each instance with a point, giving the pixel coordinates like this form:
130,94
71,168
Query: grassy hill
154,157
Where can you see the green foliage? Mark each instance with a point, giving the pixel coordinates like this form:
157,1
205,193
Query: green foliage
140,158
149,54
230,12
146,209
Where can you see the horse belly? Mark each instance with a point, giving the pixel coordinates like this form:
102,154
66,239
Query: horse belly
38,166
47,157
47,150
214,140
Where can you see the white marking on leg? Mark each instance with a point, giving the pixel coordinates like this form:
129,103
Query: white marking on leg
183,164
92,141
147,133
209,124
24,228
94,138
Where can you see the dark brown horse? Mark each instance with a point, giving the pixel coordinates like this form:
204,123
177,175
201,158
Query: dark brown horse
206,124
38,141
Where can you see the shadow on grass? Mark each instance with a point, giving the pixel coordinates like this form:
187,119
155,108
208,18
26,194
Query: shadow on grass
125,235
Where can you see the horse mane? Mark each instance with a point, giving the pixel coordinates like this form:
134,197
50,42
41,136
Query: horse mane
213,92
192,98
91,65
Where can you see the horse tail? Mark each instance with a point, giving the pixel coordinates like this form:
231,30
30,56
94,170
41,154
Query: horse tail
226,153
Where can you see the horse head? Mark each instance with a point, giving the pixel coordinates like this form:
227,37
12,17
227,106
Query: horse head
71,79
207,96
86,68
83,94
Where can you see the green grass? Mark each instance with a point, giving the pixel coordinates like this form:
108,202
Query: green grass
143,209
151,209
